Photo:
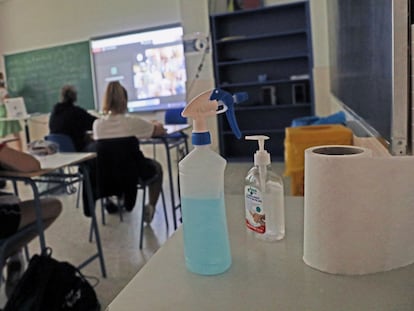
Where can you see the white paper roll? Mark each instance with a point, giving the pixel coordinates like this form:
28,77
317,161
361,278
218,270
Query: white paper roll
359,210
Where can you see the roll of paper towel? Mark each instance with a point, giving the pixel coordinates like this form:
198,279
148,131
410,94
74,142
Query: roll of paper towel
359,210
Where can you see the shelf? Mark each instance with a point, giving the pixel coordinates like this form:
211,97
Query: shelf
265,119
261,60
270,19
272,107
273,94
251,71
239,148
236,39
256,132
264,83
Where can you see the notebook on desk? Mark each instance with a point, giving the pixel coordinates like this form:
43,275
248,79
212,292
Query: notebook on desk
174,128
15,108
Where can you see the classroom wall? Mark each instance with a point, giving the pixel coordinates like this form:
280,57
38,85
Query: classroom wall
324,104
41,23
33,24
29,25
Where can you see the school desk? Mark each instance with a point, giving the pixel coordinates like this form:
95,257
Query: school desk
263,276
169,143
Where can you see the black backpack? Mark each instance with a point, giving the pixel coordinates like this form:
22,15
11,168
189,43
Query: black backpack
48,284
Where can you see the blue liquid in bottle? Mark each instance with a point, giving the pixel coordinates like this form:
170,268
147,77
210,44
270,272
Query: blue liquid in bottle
206,242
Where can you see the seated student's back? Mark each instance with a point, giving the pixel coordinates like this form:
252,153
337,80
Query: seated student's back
70,119
116,123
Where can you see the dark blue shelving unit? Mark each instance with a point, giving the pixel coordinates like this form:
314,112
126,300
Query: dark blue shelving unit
274,42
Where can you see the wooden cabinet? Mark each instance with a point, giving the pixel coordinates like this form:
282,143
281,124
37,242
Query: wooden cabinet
267,53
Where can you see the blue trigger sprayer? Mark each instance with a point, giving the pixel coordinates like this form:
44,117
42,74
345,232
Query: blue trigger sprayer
229,101
206,241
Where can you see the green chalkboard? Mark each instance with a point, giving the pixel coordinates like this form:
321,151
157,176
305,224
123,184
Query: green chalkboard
39,75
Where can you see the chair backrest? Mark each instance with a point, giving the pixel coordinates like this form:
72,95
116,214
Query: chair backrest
173,116
117,171
64,142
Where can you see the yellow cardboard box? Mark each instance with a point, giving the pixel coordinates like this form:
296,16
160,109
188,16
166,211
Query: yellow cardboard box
297,139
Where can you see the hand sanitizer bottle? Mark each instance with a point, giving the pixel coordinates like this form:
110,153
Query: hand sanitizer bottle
201,172
264,197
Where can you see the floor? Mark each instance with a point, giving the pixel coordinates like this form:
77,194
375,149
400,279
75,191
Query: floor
68,236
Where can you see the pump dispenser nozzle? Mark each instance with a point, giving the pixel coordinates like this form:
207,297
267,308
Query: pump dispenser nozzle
261,156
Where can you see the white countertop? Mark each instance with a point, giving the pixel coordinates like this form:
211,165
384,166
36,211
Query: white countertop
52,162
263,276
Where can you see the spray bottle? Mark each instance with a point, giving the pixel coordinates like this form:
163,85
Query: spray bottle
206,241
264,197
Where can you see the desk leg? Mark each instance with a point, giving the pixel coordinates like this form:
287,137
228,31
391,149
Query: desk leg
185,143
39,216
85,174
178,175
170,179
26,128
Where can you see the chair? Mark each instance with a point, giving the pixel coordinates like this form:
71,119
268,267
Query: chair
117,168
65,144
173,116
10,245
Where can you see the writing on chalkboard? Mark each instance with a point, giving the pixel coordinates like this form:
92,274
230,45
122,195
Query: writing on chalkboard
38,75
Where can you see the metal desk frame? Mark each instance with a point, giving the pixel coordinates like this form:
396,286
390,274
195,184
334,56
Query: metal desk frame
55,178
169,144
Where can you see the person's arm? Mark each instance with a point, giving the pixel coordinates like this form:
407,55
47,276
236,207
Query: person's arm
159,129
89,119
17,160
85,119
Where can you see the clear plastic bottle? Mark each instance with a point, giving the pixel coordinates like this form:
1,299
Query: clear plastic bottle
264,197
206,242
201,172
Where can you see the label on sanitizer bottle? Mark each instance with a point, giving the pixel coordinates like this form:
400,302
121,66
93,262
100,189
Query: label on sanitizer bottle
255,216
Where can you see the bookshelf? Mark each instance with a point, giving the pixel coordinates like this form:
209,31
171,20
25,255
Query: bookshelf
267,53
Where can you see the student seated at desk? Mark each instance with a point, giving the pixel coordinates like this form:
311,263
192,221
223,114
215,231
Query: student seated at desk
116,123
16,214
70,119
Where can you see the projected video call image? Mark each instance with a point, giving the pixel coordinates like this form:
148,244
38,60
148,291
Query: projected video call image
150,64
159,72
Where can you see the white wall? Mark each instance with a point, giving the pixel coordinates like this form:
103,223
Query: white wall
32,24
323,105
323,100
